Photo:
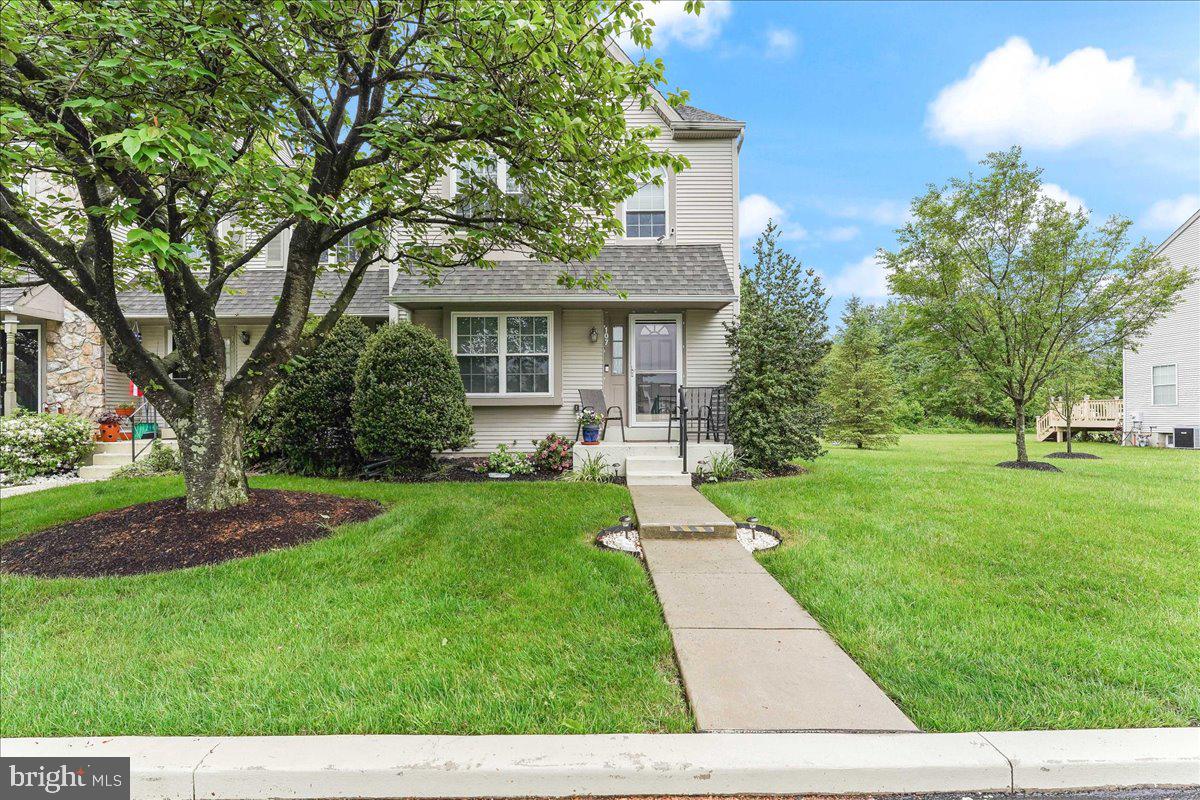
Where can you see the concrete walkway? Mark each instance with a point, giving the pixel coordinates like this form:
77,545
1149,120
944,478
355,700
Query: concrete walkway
751,658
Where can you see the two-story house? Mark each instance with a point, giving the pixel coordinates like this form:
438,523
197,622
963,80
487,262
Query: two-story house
524,344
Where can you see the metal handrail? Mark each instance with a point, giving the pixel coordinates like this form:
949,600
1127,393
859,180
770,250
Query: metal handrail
150,415
683,409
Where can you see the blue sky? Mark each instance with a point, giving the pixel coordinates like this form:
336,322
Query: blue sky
852,108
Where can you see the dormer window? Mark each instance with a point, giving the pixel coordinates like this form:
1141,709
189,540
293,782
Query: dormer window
646,210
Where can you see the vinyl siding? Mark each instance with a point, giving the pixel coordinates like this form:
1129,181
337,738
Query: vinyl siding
1175,339
706,356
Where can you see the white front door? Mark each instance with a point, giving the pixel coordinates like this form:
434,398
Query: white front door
656,364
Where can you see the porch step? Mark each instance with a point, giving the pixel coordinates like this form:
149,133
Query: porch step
645,465
111,459
97,473
659,479
123,448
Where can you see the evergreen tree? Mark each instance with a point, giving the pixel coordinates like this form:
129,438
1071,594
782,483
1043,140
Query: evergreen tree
860,387
776,346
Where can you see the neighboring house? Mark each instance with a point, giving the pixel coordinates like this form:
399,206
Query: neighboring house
1162,376
525,346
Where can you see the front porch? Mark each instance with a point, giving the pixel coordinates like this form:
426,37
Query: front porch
649,463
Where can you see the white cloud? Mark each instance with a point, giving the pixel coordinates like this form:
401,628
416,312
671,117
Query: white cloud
1167,215
1015,96
753,212
781,44
883,212
866,278
672,24
1061,195
841,233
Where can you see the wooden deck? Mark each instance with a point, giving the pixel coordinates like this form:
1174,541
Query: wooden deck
1086,415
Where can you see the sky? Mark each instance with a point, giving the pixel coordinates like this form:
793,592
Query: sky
852,109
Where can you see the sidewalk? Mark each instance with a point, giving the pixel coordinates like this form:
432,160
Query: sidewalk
751,658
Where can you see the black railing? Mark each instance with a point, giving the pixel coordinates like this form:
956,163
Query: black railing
144,420
703,410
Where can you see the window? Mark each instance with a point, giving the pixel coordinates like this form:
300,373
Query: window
1162,380
618,350
495,173
27,365
503,354
276,249
646,210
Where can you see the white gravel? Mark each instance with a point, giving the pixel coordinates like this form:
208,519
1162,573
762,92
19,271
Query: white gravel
627,541
37,484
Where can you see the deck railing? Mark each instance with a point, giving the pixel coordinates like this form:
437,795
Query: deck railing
1087,413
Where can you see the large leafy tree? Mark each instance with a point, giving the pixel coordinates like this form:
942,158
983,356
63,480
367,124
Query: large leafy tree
1018,285
860,387
776,345
162,145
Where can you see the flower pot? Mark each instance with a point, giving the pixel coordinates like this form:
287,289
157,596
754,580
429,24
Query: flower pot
110,432
591,434
123,412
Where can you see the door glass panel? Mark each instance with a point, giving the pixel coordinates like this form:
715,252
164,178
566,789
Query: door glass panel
618,350
656,366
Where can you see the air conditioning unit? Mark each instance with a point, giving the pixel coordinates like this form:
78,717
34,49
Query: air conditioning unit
1186,438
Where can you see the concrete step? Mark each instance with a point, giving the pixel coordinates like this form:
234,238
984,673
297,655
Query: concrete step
643,465
123,448
659,479
97,473
111,459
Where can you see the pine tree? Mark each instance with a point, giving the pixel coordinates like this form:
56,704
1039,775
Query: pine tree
776,346
860,388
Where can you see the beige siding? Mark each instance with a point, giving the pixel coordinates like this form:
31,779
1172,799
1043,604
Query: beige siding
706,356
1175,339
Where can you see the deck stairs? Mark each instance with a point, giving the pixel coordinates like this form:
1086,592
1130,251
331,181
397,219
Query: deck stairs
1086,415
108,457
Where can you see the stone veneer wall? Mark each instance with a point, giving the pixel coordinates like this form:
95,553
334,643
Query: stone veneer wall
75,365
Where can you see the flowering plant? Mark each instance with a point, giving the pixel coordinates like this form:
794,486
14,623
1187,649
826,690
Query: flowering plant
590,418
505,461
42,444
553,454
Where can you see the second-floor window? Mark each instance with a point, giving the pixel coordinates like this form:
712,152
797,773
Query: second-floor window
646,210
494,172
1162,380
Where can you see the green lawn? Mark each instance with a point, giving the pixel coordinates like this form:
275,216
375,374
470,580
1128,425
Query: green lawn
989,599
467,608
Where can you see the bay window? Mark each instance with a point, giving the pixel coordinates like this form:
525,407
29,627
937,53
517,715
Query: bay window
503,354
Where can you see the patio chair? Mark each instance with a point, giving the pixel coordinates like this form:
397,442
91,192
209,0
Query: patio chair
593,400
707,413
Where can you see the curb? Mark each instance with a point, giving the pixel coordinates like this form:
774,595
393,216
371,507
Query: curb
310,767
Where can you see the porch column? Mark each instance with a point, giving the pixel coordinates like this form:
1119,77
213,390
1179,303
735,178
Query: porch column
10,365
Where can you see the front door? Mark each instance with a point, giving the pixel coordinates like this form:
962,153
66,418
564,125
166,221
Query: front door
616,360
656,357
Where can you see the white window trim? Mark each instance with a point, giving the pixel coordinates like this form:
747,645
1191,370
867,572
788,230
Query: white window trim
1173,384
501,179
631,368
502,348
668,230
41,360
285,245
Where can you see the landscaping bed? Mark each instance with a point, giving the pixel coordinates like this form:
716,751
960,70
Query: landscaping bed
474,470
786,471
164,535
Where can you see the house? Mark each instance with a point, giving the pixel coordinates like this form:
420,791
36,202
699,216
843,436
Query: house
525,345
1161,377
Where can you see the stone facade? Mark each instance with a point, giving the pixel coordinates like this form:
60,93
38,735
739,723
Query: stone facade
74,365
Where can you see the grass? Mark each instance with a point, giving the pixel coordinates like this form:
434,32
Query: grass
465,609
989,599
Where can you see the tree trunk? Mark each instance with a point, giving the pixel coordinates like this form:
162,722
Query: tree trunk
1022,453
210,447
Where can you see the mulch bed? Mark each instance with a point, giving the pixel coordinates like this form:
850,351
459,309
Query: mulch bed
164,535
1036,466
787,471
1072,455
466,470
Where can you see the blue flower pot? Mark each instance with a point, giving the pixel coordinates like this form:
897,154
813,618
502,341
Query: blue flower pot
591,434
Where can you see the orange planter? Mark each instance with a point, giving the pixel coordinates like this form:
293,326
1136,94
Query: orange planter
110,432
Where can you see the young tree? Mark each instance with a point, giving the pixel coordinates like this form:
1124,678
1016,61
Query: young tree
162,145
1080,376
1014,282
776,345
860,388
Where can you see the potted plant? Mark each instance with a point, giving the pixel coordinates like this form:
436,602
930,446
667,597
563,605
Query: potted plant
590,420
124,410
110,427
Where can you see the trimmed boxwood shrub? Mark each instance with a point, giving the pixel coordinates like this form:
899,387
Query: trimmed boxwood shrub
308,426
32,445
409,401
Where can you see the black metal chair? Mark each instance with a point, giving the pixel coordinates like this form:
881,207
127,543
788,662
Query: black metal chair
707,413
593,400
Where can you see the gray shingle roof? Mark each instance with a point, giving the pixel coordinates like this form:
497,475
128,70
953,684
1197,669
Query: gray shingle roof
697,270
9,296
255,292
693,114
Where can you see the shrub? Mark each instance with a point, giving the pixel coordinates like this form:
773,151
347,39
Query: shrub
161,460
409,401
719,466
553,454
507,461
309,428
259,442
592,468
32,445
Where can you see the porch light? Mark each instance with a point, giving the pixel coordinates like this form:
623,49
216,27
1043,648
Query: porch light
593,335
245,337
